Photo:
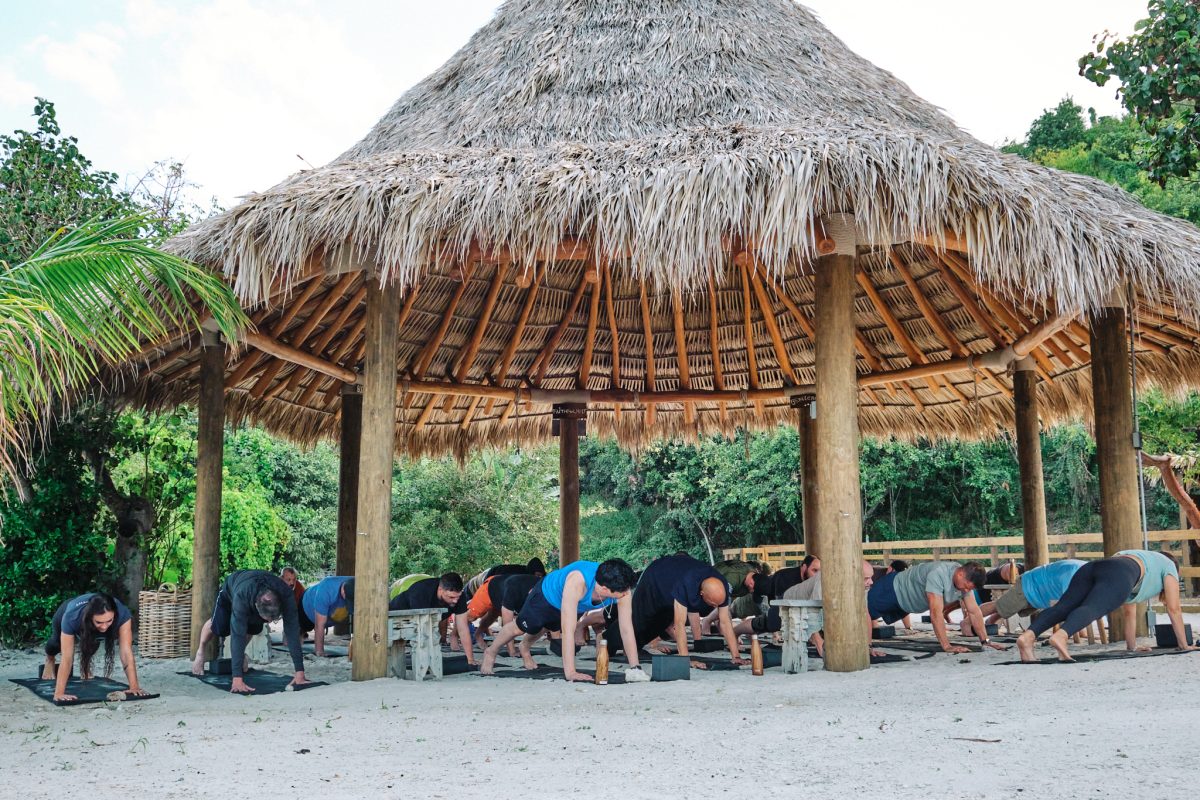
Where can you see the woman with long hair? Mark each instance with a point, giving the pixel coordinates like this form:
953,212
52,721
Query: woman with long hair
82,623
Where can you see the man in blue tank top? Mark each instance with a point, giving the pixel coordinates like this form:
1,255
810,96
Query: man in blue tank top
556,603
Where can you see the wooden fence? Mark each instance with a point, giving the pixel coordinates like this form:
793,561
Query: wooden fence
989,549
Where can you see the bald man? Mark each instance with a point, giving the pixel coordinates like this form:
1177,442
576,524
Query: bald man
811,590
671,588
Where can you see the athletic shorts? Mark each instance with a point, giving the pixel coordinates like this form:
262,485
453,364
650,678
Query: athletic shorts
537,614
54,643
882,602
743,607
223,615
1013,602
516,591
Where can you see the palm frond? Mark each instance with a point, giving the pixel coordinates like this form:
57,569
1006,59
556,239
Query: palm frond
88,298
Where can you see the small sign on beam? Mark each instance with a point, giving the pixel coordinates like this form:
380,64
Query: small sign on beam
568,412
801,400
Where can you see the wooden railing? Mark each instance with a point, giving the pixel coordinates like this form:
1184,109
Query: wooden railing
991,550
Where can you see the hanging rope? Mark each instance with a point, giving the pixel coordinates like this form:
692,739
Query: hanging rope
1131,313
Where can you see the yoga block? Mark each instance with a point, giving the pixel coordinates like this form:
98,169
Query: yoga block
670,668
992,630
884,632
708,644
556,647
1165,635
220,666
926,618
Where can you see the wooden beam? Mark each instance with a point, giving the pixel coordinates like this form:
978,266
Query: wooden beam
983,319
265,378
931,314
685,378
288,353
839,501
568,488
542,362
768,314
1112,396
349,452
485,317
1029,461
432,346
714,340
615,377
648,333
334,329
206,541
500,369
748,328
915,356
375,484
589,342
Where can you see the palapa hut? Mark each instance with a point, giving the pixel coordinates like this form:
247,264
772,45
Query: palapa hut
684,216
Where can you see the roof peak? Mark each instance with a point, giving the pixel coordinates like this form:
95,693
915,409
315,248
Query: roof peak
592,71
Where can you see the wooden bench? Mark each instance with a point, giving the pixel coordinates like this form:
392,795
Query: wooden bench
418,628
799,621
258,648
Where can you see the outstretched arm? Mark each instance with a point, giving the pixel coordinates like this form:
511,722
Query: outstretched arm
573,591
125,642
725,623
936,611
462,625
971,609
1175,612
625,624
1129,617
67,643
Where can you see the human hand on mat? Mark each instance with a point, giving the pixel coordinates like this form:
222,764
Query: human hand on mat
64,698
135,691
1185,648
579,676
738,661
698,664
954,648
876,653
239,686
995,646
1141,648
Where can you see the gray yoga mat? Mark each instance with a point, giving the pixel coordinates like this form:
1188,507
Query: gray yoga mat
95,690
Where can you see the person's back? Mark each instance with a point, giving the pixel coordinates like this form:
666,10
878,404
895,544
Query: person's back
1158,567
1042,586
553,583
676,578
324,598
913,584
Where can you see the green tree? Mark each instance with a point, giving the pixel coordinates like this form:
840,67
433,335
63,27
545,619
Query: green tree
1158,69
1057,128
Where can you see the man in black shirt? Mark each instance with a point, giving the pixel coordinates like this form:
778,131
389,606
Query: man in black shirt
779,582
672,587
248,600
444,592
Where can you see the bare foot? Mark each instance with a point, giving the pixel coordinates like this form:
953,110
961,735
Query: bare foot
1025,643
529,663
1059,642
512,651
48,670
488,665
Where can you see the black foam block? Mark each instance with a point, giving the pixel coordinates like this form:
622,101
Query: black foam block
262,682
1165,635
884,632
331,650
709,644
95,690
926,618
670,668
992,630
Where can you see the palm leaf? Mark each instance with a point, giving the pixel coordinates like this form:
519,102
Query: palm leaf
89,298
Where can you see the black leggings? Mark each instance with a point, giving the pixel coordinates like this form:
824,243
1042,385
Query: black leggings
1098,588
54,643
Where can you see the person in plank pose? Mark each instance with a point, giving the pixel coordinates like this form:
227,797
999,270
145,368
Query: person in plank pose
326,603
81,623
928,587
1035,590
773,588
555,604
1101,587
442,592
247,601
671,588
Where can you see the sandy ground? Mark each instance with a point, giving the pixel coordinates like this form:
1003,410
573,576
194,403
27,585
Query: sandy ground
1113,729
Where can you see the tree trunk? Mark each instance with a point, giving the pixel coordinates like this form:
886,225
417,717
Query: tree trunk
136,518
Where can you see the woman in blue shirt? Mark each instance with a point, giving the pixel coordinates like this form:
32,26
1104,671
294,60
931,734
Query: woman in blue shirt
81,623
1101,587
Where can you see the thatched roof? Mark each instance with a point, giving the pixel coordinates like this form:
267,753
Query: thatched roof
683,149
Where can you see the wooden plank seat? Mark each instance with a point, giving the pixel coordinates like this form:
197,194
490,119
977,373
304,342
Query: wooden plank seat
416,628
800,619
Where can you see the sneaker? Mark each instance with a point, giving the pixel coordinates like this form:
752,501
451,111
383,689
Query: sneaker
636,675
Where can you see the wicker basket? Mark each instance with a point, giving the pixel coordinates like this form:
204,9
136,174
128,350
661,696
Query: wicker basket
165,622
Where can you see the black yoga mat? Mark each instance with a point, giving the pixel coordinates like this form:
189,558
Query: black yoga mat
1112,655
331,650
262,682
94,691
546,673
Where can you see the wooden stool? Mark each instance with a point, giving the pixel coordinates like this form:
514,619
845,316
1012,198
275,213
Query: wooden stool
417,627
797,626
258,648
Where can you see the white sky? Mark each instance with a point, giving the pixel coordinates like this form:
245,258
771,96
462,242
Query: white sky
238,89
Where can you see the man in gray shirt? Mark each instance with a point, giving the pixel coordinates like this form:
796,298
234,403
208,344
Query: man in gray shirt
929,587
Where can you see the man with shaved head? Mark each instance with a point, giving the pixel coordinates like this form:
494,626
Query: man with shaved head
811,590
671,588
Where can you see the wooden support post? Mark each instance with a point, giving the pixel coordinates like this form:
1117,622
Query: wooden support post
570,417
210,442
839,502
1112,398
1029,462
377,451
808,477
349,453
